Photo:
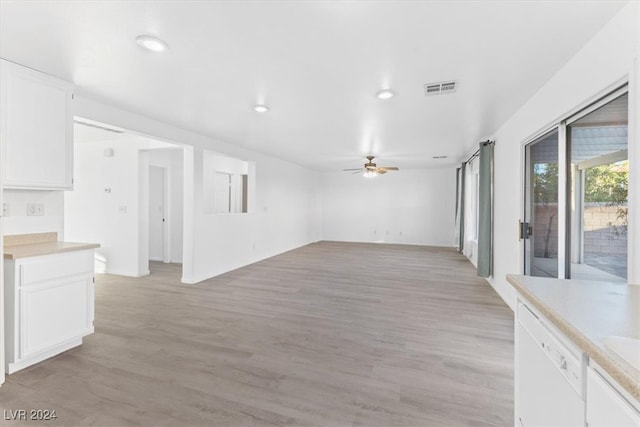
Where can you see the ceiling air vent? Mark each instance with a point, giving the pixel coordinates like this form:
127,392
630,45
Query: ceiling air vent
432,89
439,88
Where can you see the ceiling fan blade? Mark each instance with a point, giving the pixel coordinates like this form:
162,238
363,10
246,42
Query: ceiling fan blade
388,168
380,171
356,172
354,169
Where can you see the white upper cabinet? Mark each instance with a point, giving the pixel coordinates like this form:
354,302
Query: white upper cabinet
36,129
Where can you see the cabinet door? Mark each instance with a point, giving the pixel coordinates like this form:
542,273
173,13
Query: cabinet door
54,312
605,406
36,129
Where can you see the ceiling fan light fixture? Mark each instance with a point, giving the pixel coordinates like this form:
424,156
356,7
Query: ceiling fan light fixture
369,173
385,94
260,108
151,43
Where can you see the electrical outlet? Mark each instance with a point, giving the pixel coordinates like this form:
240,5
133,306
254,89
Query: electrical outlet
35,209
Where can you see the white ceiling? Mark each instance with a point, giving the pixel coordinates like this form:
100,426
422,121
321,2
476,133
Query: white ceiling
317,65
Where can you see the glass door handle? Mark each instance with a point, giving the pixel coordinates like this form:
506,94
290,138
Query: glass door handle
525,230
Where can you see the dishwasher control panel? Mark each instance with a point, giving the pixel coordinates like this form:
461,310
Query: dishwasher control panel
569,365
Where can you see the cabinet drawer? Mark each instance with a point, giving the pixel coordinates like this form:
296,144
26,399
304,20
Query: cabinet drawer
51,267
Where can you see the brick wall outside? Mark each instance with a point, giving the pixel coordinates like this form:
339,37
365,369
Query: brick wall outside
603,233
600,234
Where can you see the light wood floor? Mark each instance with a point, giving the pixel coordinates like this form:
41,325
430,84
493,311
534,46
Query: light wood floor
331,334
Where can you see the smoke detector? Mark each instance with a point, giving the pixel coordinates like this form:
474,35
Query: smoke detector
440,88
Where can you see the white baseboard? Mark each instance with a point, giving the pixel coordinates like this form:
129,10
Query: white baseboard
13,367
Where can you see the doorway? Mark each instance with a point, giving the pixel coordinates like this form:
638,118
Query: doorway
114,172
158,223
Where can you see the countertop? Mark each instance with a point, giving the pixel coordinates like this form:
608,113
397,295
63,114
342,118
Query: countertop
28,245
46,248
587,312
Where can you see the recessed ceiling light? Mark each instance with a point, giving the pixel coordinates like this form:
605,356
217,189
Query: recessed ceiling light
151,43
385,94
260,108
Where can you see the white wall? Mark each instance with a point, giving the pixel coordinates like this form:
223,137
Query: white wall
606,59
109,204
280,220
408,206
103,208
283,218
17,222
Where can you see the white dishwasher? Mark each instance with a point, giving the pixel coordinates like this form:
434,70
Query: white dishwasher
549,376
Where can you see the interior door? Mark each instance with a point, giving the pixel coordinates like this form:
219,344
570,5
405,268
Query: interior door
156,213
540,225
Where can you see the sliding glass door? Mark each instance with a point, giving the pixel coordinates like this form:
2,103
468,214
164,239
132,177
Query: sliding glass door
575,195
599,180
540,227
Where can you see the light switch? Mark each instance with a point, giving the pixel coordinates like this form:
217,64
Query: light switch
6,210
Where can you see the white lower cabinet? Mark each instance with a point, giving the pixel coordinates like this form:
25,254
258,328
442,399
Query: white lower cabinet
49,306
606,407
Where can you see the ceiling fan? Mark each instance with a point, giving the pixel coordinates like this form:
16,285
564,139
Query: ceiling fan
370,169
